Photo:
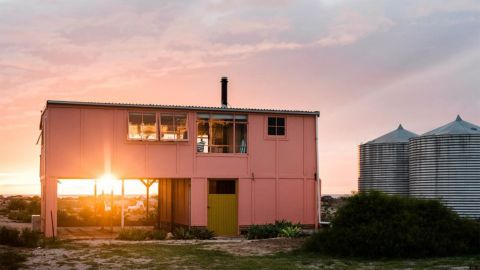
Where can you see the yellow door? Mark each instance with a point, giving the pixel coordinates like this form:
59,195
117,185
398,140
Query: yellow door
222,207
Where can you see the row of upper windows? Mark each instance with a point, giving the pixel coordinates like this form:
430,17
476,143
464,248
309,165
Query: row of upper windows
216,133
143,126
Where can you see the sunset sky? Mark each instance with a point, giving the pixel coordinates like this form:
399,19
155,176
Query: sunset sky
365,65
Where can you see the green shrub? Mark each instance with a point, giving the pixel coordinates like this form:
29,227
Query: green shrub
29,238
22,216
202,233
291,232
9,236
274,230
182,233
11,260
157,235
13,237
17,204
377,225
135,234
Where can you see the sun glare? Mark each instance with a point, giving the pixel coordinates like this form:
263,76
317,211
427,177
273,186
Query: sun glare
107,182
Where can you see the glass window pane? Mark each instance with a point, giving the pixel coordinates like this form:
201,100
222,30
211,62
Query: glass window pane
240,138
280,131
203,116
167,128
240,118
222,137
272,121
222,187
203,136
280,121
222,116
181,126
134,126
272,131
149,128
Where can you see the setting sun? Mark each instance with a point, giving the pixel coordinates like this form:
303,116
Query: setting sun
107,182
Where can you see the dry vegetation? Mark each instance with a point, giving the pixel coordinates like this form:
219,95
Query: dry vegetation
279,253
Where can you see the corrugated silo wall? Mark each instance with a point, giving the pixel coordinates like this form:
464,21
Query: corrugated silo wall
384,167
447,168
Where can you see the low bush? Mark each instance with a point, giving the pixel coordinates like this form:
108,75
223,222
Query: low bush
280,228
291,232
184,233
374,225
11,260
202,233
16,238
157,235
22,216
23,209
134,234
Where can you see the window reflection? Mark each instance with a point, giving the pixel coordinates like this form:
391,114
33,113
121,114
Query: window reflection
142,126
173,126
221,133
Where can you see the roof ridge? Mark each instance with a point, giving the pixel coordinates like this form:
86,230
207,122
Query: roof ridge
184,107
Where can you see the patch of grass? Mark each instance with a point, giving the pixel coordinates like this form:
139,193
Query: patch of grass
194,256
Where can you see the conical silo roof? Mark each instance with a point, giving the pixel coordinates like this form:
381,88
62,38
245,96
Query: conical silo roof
456,127
400,135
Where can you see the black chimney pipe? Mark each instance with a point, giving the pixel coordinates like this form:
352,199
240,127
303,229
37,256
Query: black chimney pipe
224,82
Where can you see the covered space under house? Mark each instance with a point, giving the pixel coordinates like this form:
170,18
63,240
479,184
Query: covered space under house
218,167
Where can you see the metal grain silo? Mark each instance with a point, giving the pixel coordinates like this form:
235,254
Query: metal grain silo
384,163
445,165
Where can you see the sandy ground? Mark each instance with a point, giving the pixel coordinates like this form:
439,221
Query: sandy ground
245,247
116,254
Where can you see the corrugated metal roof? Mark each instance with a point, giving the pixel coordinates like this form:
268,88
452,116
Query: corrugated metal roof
456,127
179,107
400,135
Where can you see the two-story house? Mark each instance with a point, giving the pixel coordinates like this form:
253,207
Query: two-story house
218,167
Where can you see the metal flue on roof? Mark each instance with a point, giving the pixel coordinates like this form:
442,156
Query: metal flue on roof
456,127
400,135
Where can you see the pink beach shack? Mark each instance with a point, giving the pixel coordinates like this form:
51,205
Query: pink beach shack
217,167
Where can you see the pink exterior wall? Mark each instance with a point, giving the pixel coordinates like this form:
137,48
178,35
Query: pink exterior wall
276,179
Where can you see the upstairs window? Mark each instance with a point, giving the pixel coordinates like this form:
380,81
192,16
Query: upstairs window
142,126
276,126
221,133
173,127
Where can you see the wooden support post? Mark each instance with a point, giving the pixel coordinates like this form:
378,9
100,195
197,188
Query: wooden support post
147,183
111,210
95,203
123,203
158,206
103,209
